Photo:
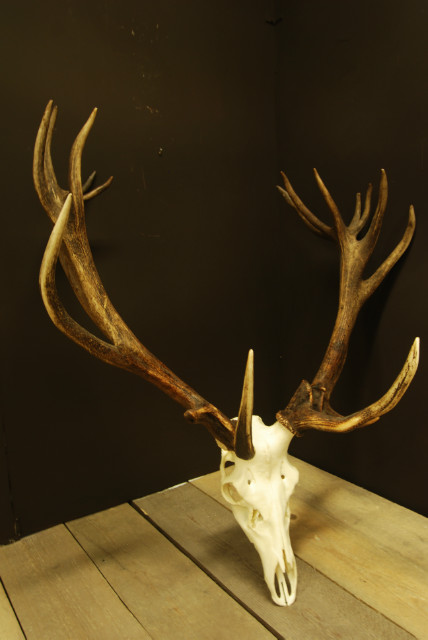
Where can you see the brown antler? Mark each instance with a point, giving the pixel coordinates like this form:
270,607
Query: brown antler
122,349
310,405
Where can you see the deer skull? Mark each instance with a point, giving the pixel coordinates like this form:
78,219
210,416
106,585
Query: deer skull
257,479
259,491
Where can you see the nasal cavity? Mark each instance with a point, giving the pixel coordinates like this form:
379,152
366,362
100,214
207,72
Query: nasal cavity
286,578
256,517
282,581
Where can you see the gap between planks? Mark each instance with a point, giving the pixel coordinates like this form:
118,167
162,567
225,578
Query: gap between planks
58,594
166,591
69,529
182,548
10,628
112,575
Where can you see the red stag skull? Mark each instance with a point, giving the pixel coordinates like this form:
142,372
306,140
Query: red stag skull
257,479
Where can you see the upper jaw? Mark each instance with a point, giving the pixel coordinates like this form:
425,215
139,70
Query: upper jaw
282,585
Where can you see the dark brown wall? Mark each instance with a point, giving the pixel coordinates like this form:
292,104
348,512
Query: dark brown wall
200,105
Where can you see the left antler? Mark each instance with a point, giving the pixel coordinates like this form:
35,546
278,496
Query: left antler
310,406
121,348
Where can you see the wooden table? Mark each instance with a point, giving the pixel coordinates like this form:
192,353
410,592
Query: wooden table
175,565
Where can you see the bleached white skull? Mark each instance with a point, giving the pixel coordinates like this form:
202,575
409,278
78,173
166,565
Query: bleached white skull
259,491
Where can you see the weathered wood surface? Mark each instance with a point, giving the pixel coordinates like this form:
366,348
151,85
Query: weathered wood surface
371,547
9,625
209,534
58,593
113,576
169,595
182,568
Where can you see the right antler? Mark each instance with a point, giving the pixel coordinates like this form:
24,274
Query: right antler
310,406
122,349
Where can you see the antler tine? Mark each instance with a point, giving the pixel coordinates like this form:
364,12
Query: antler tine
372,283
75,170
390,399
339,225
88,184
359,219
358,223
50,193
56,310
244,447
300,413
370,239
310,219
386,403
88,195
357,213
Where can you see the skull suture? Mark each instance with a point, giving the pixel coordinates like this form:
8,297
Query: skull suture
259,491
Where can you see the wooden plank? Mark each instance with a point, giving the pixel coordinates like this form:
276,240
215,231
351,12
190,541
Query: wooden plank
59,594
389,524
166,592
209,534
9,626
373,548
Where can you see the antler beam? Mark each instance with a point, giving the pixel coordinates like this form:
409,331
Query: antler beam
310,406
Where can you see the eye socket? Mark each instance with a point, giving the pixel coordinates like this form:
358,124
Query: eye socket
232,492
282,476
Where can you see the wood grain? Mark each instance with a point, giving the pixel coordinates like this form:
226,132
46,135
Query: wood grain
373,548
166,592
58,593
209,534
362,563
9,625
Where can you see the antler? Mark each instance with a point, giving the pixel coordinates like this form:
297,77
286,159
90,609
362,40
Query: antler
310,405
122,349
